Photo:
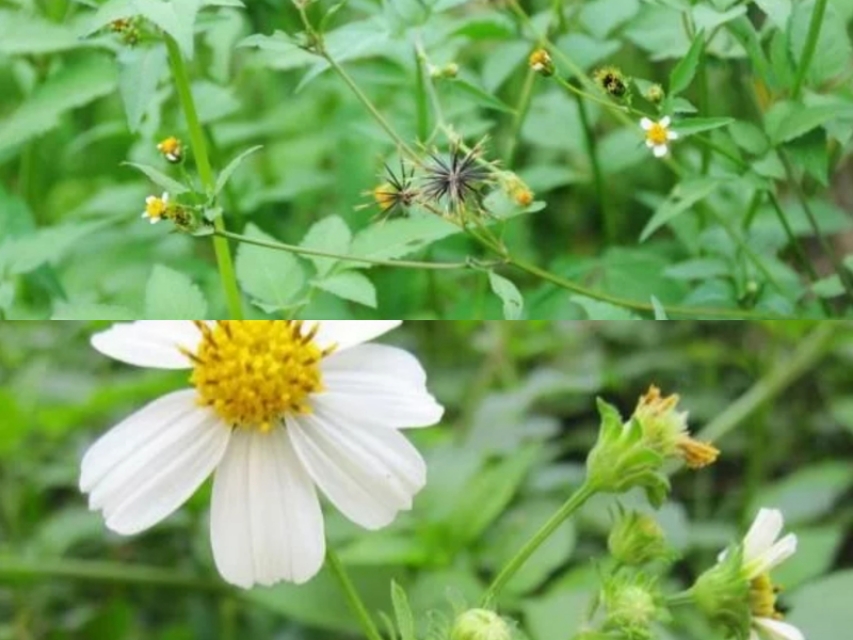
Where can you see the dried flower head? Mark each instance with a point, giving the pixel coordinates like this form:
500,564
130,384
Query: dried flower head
457,179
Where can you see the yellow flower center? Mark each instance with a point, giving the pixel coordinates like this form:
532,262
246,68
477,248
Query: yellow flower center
762,598
385,196
155,208
170,145
657,134
252,373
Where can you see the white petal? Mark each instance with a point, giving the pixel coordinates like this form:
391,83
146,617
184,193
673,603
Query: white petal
664,122
753,635
149,343
348,333
762,534
660,151
672,135
150,199
780,630
369,474
266,524
649,144
154,220
774,556
646,124
147,466
378,385
165,197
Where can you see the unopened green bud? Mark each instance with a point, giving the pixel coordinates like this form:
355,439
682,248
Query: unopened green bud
480,624
632,603
722,595
449,70
636,539
655,94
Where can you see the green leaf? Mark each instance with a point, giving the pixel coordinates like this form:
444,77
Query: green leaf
225,175
273,278
778,11
350,285
788,120
23,34
170,295
683,73
683,196
660,312
332,235
809,493
400,237
88,310
26,253
172,186
691,126
513,303
403,612
834,50
72,86
597,310
488,493
479,96
822,607
140,70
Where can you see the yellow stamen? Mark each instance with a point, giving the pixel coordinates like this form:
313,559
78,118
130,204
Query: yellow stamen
155,208
253,373
385,196
657,134
170,147
653,405
762,598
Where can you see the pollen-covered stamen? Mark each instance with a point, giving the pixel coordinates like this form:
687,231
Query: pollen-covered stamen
657,134
762,598
253,373
697,454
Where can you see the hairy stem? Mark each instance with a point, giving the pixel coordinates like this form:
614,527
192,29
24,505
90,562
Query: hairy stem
205,172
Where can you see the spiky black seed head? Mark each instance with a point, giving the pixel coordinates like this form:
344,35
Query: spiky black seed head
455,179
397,193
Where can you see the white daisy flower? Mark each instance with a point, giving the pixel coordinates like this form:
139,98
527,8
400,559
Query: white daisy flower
762,552
658,135
155,208
278,409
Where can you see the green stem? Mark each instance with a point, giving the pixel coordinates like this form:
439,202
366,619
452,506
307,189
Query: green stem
351,594
205,172
519,117
598,179
13,569
575,502
303,251
839,267
811,46
783,374
679,599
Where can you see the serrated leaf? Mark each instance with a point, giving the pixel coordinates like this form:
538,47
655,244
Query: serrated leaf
683,196
23,34
332,235
140,70
513,303
683,73
273,278
225,174
350,285
691,126
172,186
74,85
400,237
833,51
26,253
789,120
402,612
170,295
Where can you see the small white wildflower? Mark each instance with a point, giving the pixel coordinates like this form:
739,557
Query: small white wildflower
658,135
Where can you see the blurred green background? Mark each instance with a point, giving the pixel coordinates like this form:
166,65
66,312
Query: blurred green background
521,418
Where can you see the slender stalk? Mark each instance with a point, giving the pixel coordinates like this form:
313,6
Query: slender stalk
704,109
809,352
830,252
575,502
351,594
811,46
205,172
304,251
13,569
597,177
520,115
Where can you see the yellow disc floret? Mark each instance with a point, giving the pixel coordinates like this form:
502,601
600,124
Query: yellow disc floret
657,134
762,598
253,373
